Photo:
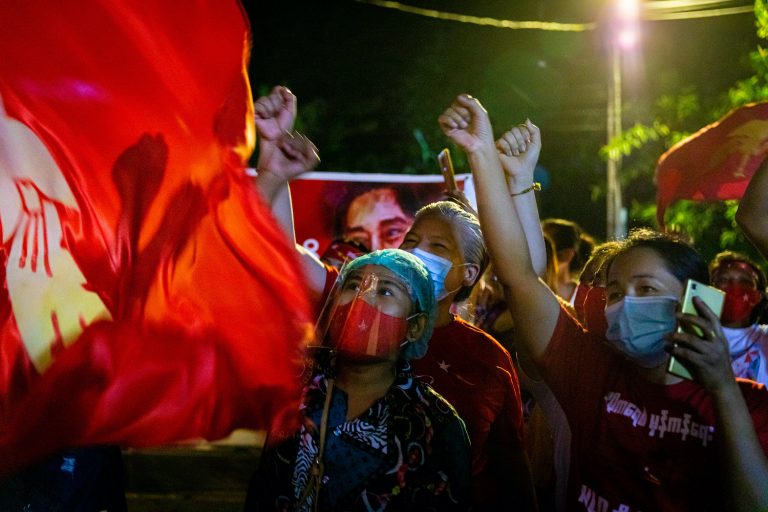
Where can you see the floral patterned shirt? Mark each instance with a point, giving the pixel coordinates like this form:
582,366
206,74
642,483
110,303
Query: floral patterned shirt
408,451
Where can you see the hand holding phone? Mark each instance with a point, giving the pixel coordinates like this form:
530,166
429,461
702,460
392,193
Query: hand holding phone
713,298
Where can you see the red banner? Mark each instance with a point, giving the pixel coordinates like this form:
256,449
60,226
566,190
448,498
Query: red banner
147,294
374,209
715,163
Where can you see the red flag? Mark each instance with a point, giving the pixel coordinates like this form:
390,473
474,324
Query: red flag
148,296
716,162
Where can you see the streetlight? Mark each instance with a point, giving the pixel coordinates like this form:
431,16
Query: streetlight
623,35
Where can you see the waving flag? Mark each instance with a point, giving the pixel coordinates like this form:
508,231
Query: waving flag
147,294
716,162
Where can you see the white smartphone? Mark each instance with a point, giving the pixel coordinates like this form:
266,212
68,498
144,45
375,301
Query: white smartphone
713,298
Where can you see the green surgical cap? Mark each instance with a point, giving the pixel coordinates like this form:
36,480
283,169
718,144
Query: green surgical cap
414,275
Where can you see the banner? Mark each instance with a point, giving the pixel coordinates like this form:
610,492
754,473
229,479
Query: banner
715,163
374,209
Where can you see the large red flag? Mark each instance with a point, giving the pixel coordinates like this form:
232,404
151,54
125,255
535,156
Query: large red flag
147,295
716,162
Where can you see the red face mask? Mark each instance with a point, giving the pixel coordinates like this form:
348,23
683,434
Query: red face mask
740,300
360,331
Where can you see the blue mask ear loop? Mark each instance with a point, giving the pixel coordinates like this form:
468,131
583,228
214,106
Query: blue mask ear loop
461,285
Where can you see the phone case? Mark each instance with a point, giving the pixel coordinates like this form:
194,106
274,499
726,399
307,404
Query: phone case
713,298
446,167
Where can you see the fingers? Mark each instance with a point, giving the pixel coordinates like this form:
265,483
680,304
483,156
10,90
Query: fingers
698,326
533,132
455,118
708,359
513,142
706,312
287,98
471,104
279,99
297,147
263,108
462,111
519,139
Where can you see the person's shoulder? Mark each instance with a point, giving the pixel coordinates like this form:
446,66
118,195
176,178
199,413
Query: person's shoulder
478,343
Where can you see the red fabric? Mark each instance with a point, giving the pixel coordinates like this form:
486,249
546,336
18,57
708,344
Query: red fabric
579,301
476,375
590,307
637,445
716,162
141,115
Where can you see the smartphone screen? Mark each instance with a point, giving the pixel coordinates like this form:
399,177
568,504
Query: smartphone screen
713,298
446,167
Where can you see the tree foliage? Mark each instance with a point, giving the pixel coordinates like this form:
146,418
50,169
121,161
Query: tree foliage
711,225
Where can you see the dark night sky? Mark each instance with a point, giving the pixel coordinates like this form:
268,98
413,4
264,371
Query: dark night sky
367,77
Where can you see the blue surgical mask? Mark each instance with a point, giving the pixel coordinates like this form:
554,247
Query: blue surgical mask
438,269
637,325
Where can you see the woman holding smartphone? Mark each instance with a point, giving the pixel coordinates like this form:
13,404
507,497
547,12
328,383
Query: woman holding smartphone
642,439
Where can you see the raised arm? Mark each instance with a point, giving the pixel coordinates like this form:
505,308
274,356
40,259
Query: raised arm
534,307
519,150
283,155
752,215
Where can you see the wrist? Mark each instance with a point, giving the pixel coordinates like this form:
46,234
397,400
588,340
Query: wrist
534,186
726,392
481,153
519,181
267,176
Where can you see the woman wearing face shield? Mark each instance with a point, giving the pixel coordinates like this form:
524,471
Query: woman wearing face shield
373,437
464,364
643,439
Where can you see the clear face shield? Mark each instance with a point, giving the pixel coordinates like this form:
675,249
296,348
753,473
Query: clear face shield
365,318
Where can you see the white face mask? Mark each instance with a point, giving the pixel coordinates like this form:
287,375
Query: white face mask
438,269
637,325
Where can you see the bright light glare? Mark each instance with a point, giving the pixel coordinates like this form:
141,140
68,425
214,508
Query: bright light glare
628,38
628,10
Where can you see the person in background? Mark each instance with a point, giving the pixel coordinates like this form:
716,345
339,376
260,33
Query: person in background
589,299
489,306
643,439
373,437
572,248
593,273
341,251
743,282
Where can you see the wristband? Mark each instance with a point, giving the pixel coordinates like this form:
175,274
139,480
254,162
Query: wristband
535,186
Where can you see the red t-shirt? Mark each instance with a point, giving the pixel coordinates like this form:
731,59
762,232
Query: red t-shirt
475,374
636,446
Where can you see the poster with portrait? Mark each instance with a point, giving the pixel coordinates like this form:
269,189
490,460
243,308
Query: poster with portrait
375,210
